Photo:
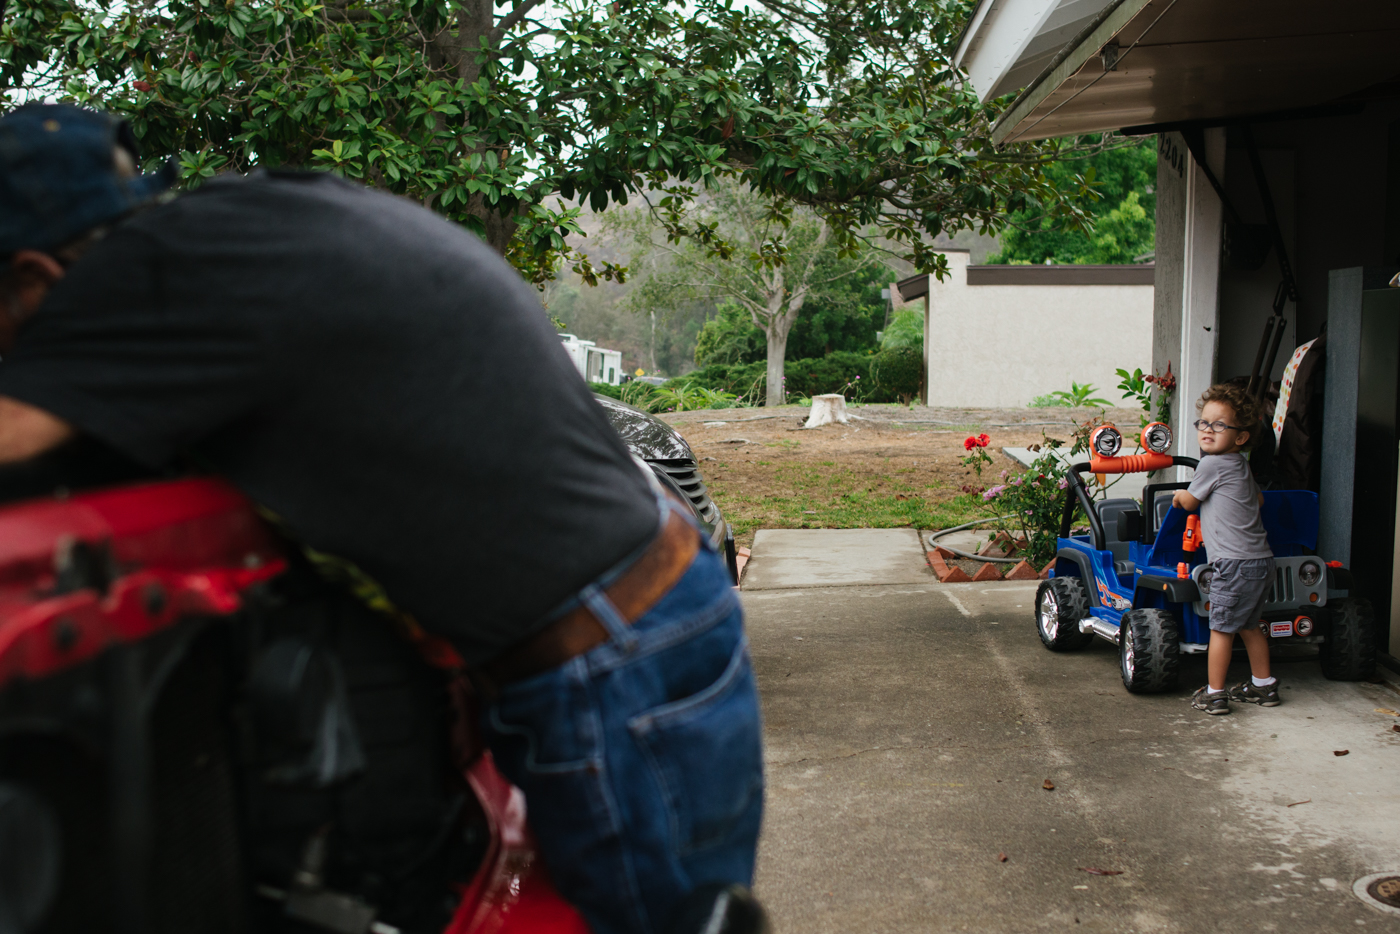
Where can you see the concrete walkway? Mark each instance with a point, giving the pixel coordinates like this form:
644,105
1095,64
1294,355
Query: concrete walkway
911,728
784,559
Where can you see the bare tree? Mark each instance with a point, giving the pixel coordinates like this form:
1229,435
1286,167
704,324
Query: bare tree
767,256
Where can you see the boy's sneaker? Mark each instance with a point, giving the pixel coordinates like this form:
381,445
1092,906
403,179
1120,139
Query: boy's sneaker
1246,692
1213,704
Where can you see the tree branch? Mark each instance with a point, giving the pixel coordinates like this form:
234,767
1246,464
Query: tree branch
512,19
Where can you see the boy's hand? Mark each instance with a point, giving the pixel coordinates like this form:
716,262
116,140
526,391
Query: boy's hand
1185,500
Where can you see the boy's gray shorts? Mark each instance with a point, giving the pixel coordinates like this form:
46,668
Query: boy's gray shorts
1239,591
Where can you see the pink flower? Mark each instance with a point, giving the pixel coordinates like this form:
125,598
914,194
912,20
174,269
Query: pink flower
992,493
1064,484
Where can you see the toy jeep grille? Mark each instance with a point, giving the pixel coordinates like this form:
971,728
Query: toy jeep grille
1282,591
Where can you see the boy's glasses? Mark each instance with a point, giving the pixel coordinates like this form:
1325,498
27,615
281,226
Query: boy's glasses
1216,427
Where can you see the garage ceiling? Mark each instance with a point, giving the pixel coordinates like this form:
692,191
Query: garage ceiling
1203,60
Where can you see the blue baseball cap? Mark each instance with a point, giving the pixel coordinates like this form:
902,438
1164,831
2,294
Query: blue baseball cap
59,178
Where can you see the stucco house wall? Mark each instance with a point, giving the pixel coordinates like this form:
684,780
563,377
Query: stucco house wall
998,336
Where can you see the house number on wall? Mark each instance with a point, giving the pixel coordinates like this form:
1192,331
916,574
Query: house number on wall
1166,147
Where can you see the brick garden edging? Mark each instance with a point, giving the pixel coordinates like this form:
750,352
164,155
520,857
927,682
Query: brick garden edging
990,571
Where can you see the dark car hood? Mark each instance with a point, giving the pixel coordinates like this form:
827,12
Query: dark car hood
646,435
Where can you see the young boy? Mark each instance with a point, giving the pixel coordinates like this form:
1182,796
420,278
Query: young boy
1228,498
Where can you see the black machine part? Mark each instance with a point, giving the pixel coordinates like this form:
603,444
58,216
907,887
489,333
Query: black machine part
31,855
382,847
301,712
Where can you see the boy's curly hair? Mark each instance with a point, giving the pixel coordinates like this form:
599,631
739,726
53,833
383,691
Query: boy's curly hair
1246,409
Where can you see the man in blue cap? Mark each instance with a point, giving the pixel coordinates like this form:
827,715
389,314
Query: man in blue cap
384,383
67,175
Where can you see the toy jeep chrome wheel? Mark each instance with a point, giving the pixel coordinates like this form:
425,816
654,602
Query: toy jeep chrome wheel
1149,650
1060,603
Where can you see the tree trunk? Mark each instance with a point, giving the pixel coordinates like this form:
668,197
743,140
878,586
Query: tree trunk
500,228
457,53
826,409
777,350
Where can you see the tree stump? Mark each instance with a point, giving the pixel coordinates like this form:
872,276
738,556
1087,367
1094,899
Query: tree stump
827,409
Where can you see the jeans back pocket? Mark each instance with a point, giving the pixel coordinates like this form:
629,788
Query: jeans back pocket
707,753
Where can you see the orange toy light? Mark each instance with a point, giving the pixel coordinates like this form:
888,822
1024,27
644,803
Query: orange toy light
1157,438
1105,441
1182,571
1191,538
1132,463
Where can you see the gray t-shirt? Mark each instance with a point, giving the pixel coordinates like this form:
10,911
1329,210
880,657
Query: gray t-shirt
1230,522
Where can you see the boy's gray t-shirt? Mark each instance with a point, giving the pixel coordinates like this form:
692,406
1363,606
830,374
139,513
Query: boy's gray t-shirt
1230,522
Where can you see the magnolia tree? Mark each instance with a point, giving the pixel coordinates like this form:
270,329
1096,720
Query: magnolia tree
509,116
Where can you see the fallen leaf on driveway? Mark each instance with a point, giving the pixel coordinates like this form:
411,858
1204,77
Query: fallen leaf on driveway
1396,728
1001,857
1388,711
1341,752
1093,871
1296,803
1048,785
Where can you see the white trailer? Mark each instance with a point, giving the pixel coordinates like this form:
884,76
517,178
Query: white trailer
594,363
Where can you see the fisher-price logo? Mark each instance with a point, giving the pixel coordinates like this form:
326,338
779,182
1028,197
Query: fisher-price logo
1110,599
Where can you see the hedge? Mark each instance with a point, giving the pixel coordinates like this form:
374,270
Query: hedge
889,376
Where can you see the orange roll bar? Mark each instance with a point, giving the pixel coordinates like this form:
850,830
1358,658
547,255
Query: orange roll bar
1132,463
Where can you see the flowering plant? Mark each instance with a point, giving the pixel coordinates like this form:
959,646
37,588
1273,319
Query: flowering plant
1035,500
978,458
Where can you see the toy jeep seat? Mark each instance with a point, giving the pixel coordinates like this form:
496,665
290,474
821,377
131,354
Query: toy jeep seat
1119,534
1160,505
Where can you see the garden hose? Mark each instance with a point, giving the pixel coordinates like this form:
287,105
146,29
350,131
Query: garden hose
968,525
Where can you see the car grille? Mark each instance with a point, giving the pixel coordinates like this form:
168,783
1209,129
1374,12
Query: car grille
687,477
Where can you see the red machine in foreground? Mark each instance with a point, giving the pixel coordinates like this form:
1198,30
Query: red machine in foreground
197,734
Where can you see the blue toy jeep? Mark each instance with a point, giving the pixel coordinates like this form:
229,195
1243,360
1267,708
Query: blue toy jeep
1123,580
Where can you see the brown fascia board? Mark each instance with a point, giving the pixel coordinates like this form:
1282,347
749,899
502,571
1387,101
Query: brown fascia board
912,288
1136,274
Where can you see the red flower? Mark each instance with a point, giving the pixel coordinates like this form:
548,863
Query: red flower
969,444
982,441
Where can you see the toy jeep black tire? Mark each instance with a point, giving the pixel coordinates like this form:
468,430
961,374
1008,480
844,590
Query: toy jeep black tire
1060,603
1149,650
1349,648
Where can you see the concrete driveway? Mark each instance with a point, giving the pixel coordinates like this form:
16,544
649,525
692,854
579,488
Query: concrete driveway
911,729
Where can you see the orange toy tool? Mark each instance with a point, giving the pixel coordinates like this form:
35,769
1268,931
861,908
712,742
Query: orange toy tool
1191,538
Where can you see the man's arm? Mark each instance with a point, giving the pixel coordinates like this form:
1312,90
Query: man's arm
26,431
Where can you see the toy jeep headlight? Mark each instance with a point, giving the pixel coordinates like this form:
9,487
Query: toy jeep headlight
1204,578
1156,438
1106,441
1309,573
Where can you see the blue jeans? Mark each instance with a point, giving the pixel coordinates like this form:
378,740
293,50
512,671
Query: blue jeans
642,760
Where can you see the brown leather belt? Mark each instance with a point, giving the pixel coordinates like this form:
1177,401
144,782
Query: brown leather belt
636,591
